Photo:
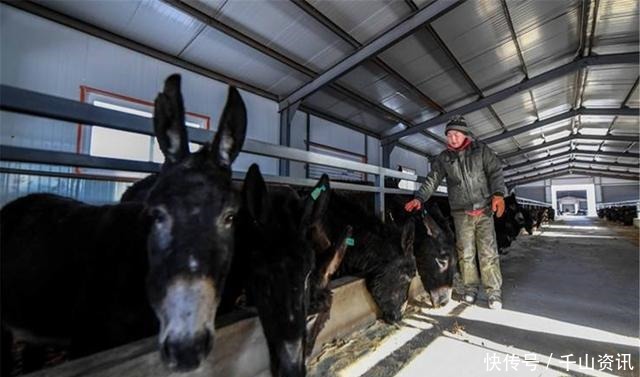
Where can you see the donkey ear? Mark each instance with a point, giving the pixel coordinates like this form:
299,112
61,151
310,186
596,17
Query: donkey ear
330,260
168,121
317,202
408,237
433,229
255,195
231,130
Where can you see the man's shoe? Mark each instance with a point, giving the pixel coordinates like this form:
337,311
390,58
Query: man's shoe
469,298
495,303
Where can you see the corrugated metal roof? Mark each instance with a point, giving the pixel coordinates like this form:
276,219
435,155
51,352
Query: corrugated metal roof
617,27
608,86
502,146
423,143
376,85
421,61
209,7
478,35
517,110
555,97
152,23
476,32
339,106
482,123
625,126
548,32
215,50
363,22
284,27
627,160
634,100
615,146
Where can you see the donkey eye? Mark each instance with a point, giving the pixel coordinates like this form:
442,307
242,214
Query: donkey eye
158,215
228,219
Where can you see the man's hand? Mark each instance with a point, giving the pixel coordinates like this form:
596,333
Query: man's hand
415,205
497,205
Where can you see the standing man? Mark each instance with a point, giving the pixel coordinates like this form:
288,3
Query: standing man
476,189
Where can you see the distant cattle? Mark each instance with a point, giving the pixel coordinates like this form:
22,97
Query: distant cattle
93,277
623,214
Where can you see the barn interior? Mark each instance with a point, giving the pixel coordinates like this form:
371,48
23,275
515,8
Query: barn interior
361,91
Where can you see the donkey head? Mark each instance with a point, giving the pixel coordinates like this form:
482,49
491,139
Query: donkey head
389,281
276,234
191,207
435,257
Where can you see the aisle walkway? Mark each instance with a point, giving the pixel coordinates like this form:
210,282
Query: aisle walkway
571,308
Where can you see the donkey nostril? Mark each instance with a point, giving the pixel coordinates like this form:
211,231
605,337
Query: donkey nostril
207,342
167,355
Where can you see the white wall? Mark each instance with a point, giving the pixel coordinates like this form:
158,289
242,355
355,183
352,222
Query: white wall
410,160
40,55
331,134
298,140
43,56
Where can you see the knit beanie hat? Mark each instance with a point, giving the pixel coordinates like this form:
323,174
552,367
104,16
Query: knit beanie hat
457,123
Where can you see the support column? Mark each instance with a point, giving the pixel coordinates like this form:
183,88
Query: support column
386,154
597,182
379,197
286,117
547,193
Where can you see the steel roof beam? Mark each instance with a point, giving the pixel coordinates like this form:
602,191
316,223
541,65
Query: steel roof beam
628,58
629,139
572,167
573,161
565,172
371,49
624,104
557,118
570,170
312,12
281,58
572,152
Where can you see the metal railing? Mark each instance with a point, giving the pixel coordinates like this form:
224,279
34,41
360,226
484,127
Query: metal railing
619,204
532,202
42,105
47,106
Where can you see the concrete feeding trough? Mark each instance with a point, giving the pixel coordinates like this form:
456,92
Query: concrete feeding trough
240,348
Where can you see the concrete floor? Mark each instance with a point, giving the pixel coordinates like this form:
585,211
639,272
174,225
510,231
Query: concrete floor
571,304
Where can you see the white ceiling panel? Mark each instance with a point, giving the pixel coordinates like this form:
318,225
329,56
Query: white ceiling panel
284,27
478,35
617,27
608,86
221,53
209,7
148,22
548,31
363,21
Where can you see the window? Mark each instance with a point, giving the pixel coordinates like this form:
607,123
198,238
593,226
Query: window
316,171
106,142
